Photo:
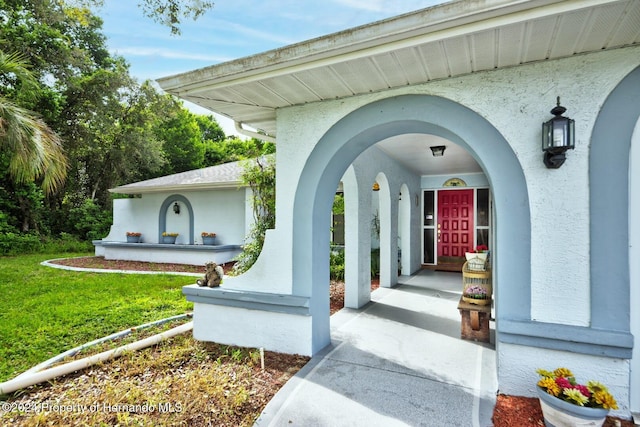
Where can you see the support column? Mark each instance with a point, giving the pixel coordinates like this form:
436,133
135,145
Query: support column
357,239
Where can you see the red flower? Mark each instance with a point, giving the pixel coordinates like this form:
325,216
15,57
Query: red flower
563,382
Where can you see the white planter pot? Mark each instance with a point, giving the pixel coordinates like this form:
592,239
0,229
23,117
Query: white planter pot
558,413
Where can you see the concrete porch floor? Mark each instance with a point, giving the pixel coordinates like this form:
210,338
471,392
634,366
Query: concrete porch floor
399,361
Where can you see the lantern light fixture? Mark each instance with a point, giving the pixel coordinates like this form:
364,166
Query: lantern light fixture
558,136
176,208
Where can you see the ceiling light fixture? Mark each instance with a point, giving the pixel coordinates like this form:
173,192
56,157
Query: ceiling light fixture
438,150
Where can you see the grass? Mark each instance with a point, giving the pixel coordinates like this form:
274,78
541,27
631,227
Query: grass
45,311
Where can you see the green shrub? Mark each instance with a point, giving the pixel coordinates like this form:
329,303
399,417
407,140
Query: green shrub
336,265
12,244
375,262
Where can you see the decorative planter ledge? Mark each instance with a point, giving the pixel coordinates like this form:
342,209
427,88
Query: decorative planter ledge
278,303
214,248
167,253
577,339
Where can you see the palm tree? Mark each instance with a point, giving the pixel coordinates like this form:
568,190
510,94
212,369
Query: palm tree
34,150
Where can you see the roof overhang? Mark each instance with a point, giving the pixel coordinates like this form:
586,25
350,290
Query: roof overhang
219,177
440,42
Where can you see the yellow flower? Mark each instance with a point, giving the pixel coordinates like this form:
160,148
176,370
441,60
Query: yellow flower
574,396
562,372
605,399
550,385
545,373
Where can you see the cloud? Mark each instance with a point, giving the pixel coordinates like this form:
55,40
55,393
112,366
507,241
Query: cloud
166,53
388,8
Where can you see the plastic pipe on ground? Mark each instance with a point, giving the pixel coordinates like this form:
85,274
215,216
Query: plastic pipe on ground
49,374
74,351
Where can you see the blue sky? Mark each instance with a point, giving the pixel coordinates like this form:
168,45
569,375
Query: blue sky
233,29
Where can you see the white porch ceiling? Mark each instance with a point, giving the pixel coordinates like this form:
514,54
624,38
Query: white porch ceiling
448,40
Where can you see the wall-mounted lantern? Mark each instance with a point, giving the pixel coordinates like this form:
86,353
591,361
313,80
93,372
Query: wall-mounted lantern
558,136
176,208
376,186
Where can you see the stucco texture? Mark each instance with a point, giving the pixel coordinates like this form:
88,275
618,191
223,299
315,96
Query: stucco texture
515,101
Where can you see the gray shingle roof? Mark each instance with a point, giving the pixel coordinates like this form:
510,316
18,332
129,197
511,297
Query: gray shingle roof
226,175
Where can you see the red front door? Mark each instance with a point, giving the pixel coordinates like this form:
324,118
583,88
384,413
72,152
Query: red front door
455,222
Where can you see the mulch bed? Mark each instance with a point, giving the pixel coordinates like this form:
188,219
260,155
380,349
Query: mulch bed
518,411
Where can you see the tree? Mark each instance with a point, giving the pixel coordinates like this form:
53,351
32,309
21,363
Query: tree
165,12
170,12
182,140
34,150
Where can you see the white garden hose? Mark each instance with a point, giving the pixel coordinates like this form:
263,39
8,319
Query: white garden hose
29,379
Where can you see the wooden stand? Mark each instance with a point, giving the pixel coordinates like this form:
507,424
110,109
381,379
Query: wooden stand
475,321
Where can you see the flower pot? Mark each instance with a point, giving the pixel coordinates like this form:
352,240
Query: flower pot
133,239
208,240
169,239
476,260
558,413
486,300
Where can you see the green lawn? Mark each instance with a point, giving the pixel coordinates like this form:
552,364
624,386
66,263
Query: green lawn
45,311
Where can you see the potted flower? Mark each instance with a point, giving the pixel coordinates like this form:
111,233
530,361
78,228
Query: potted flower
208,238
477,294
566,402
133,237
169,237
477,258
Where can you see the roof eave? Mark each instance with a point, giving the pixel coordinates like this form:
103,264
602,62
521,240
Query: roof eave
176,188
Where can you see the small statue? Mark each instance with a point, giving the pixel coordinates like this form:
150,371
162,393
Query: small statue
212,275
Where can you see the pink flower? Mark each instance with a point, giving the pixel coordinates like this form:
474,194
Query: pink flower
583,389
563,382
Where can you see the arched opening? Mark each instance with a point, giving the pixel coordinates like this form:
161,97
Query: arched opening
342,144
179,225
613,171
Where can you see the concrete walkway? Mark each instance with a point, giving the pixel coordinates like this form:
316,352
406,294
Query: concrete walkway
399,361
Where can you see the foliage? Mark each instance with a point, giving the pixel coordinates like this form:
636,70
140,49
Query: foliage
182,138
338,204
336,265
34,150
47,311
12,244
562,384
170,12
88,221
375,262
260,176
234,149
105,129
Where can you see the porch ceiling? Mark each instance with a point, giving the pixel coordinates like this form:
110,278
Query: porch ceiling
451,39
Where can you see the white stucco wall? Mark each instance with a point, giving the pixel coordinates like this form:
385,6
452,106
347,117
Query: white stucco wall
523,362
220,211
634,264
516,101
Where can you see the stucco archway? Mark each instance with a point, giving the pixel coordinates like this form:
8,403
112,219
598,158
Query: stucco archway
349,137
610,175
166,205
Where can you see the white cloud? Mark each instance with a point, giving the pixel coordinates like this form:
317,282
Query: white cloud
166,53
